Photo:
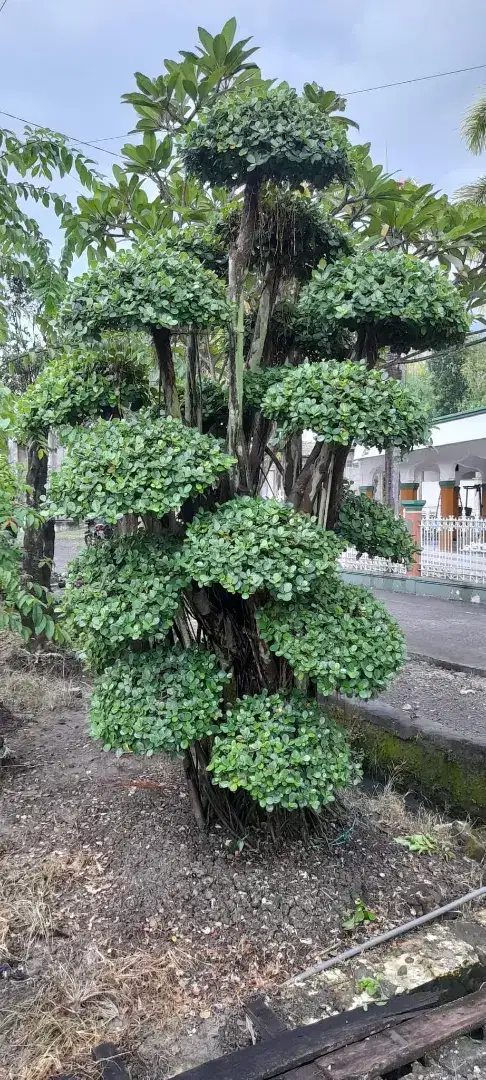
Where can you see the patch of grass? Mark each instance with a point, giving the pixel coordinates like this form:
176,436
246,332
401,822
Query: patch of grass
33,682
389,811
81,996
81,1001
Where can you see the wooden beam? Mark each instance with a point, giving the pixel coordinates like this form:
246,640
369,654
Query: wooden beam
269,1024
414,1038
291,1049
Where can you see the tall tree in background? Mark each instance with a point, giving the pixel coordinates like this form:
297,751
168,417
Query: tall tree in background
474,134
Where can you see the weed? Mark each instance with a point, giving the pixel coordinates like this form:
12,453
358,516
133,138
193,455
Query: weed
360,915
420,843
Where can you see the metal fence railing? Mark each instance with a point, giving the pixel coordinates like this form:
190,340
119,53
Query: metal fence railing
454,548
350,560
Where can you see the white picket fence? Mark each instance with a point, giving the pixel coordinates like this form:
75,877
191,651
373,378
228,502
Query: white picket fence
453,549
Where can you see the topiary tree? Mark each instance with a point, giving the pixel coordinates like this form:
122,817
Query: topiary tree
252,138
385,298
216,627
152,287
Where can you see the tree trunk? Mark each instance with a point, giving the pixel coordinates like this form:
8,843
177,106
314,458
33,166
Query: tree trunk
293,463
392,455
193,398
337,485
167,386
366,347
265,308
38,540
239,257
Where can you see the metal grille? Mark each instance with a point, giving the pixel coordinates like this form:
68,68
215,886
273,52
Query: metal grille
454,548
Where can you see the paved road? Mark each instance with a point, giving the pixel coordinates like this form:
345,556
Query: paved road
443,629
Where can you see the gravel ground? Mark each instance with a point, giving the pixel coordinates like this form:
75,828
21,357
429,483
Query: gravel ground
452,700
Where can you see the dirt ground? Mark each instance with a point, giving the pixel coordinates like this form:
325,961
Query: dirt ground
128,924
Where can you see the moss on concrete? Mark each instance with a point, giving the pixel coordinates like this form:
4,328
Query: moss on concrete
435,773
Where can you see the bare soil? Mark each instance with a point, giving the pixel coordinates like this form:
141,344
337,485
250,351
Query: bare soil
133,926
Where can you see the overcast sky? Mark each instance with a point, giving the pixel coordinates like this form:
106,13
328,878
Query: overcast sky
65,64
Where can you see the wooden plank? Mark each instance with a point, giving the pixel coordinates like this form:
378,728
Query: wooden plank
414,1038
291,1049
264,1019
269,1024
109,1058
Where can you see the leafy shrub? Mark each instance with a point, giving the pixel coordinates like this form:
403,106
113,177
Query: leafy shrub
149,285
373,528
81,384
250,544
407,303
283,751
344,403
144,464
123,590
341,637
272,134
159,700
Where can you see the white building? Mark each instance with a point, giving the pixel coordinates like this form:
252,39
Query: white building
449,474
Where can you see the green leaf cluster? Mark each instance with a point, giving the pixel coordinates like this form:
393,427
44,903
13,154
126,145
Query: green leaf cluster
341,637
143,464
151,285
250,544
344,403
122,591
158,700
373,528
267,135
284,751
80,384
407,303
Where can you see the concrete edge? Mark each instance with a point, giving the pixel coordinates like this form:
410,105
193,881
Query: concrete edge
445,769
394,720
417,586
447,665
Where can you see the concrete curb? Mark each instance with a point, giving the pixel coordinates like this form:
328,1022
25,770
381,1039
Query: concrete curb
443,767
448,665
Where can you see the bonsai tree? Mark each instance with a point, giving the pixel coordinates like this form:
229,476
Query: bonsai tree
217,625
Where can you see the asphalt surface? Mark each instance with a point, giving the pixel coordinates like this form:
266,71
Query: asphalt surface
450,630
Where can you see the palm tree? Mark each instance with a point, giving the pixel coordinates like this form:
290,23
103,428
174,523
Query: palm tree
474,135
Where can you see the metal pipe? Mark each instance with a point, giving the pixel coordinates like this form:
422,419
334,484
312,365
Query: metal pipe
387,936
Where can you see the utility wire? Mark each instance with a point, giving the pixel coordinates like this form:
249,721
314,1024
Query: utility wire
419,78
365,90
2,6
83,142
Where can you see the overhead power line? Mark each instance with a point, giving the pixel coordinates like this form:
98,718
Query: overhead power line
418,78
94,144
82,142
2,6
